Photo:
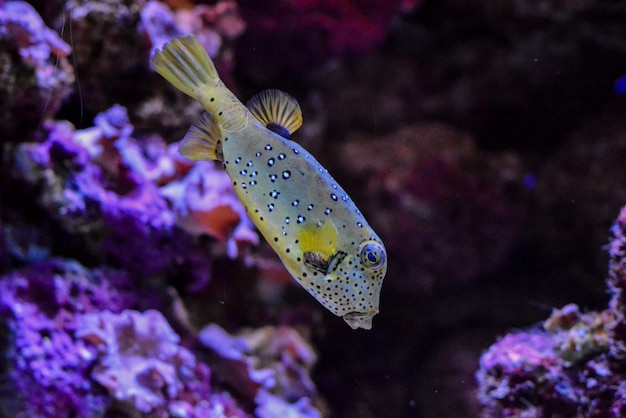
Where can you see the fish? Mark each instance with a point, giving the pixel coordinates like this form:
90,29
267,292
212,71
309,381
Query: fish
319,234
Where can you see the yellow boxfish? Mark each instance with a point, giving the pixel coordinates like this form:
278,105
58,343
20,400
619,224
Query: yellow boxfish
317,231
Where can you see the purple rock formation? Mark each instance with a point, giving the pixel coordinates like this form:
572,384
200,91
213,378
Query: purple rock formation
573,365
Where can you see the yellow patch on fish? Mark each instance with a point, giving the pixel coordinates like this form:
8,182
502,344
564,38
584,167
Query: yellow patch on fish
319,234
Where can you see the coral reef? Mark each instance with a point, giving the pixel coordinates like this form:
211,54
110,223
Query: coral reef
47,369
76,346
570,366
483,140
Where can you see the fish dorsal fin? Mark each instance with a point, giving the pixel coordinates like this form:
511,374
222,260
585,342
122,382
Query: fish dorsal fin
318,241
203,140
277,110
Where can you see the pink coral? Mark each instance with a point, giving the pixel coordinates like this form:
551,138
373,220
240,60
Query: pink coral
142,365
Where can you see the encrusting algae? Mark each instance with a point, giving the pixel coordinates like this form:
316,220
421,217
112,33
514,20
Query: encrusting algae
319,234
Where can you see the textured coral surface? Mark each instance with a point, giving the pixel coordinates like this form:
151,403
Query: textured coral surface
484,141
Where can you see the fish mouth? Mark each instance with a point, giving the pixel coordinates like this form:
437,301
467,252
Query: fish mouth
359,320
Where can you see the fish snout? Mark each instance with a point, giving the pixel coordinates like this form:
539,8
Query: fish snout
359,319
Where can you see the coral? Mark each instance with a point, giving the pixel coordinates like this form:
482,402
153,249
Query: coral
269,364
75,346
572,366
141,364
212,25
102,185
47,370
617,285
36,75
204,202
563,371
292,37
108,52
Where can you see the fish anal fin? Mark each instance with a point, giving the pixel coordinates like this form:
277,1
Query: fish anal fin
203,141
277,110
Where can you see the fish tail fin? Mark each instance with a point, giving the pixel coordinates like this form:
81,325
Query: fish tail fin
184,63
203,140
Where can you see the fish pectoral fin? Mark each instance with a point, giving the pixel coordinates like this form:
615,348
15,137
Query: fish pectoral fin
316,261
325,266
278,111
184,63
317,241
203,141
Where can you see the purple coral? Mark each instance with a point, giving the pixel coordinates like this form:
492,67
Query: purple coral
571,367
48,370
123,187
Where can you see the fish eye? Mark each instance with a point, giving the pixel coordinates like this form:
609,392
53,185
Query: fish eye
373,255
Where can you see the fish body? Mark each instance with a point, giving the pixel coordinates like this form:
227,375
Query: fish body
309,220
